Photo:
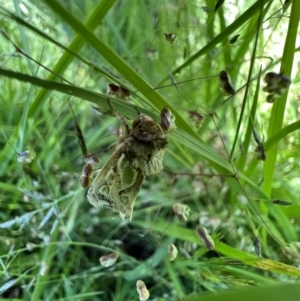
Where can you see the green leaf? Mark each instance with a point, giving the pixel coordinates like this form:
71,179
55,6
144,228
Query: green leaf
290,292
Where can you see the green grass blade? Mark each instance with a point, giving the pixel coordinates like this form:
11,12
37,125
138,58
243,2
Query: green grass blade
249,131
278,109
253,57
119,64
184,234
290,292
284,132
256,7
92,22
130,111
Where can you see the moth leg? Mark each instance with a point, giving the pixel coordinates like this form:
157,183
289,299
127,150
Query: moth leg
86,176
120,117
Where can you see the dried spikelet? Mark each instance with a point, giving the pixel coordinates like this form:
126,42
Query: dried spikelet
196,118
142,290
118,91
173,252
92,159
109,260
276,85
205,238
182,211
171,38
86,178
167,120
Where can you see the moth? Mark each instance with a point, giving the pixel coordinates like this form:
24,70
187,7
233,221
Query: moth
138,153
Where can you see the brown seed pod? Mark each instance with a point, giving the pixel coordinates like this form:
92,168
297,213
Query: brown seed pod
196,118
271,77
167,120
182,211
81,140
118,91
276,85
86,179
225,83
112,89
205,238
87,170
123,93
171,38
92,159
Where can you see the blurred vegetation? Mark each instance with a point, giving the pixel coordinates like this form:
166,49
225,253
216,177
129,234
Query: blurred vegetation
55,52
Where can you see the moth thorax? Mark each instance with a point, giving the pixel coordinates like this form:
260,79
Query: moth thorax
145,129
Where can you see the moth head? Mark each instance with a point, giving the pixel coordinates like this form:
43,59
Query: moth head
145,129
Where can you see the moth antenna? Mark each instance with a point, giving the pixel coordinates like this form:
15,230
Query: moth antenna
120,117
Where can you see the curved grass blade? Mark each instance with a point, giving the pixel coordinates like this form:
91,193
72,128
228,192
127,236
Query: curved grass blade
275,292
224,34
92,22
130,111
247,258
259,23
119,64
284,132
245,146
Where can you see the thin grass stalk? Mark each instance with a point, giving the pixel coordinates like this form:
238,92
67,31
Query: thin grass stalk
237,133
117,62
245,146
223,35
92,22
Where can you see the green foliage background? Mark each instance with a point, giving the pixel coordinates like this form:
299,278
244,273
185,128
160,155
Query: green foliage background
51,237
